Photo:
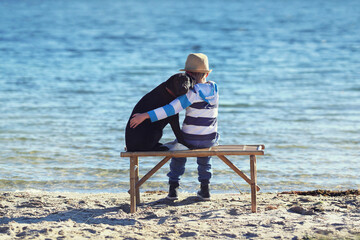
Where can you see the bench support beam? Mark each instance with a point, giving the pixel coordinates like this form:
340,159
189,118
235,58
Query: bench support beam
238,171
152,171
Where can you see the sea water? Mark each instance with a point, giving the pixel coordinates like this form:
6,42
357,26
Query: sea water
71,72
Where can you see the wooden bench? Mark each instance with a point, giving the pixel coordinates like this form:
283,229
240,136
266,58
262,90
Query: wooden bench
220,151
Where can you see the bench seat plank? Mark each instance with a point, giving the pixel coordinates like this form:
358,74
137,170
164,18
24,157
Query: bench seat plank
203,152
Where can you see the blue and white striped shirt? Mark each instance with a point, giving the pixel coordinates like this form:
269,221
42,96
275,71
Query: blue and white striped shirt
201,104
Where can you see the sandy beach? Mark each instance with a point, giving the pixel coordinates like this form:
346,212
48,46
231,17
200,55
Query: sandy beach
52,215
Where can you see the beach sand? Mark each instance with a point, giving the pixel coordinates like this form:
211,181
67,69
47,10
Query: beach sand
53,215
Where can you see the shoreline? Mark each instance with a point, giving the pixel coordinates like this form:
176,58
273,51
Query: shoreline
70,215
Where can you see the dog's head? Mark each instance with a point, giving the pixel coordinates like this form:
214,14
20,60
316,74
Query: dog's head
179,84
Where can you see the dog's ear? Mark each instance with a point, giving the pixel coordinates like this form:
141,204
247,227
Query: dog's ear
192,81
179,84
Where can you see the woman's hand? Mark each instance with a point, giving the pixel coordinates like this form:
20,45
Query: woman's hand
138,118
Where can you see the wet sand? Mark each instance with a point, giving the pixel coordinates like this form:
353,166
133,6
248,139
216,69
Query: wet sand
53,215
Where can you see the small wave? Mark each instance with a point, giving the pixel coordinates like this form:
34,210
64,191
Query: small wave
293,120
355,89
307,30
291,146
110,37
232,105
91,171
81,91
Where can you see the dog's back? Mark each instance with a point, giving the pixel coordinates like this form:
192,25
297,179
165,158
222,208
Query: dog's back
147,135
157,97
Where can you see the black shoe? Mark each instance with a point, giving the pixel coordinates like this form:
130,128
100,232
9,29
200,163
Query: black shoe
204,193
173,195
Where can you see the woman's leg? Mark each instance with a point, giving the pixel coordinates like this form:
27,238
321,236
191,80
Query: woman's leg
204,169
177,169
204,163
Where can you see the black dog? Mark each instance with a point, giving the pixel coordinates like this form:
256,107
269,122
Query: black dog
147,135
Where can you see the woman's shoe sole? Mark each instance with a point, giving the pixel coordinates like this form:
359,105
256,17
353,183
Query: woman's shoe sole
202,198
172,198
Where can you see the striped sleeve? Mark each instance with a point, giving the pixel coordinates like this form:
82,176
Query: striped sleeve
172,108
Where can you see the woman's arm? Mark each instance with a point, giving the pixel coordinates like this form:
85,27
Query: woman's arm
176,106
172,108
168,110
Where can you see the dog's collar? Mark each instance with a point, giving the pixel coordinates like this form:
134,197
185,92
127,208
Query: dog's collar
170,92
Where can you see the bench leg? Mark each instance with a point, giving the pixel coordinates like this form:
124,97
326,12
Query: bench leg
133,169
137,189
253,182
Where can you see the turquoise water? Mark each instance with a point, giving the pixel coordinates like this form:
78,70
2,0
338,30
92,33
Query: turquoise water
71,72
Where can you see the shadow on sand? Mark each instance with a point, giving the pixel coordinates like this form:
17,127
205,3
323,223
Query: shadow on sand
119,215
111,216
